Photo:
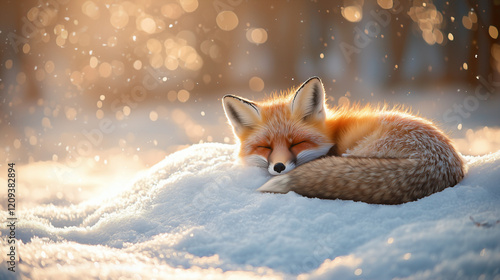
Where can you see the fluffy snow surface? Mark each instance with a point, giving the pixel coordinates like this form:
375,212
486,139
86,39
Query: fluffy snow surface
197,215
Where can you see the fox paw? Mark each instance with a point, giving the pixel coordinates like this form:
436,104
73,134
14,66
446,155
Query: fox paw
278,184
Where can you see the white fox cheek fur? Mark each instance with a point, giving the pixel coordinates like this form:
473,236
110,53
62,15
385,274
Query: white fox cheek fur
375,155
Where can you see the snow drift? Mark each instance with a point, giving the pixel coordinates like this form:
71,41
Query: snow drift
197,214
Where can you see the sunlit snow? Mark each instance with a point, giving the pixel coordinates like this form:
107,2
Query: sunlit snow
197,214
93,94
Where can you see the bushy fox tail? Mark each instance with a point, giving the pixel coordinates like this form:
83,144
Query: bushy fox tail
371,180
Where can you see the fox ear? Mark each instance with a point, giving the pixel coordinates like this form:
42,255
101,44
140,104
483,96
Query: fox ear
243,114
309,100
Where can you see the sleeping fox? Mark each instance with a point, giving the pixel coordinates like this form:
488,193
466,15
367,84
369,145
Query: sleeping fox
375,155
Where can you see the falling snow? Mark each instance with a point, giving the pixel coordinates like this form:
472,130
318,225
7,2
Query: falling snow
105,105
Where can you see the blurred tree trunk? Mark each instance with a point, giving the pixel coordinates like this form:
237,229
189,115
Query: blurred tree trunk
473,48
289,37
495,21
452,49
479,56
399,32
25,61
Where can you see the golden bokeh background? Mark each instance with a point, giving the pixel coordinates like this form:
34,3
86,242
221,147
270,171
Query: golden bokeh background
85,80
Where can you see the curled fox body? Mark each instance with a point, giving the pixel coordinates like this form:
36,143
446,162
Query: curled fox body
382,156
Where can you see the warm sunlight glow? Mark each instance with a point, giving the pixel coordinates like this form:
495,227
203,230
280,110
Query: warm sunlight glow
131,161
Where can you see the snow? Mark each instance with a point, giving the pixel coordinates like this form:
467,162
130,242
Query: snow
196,214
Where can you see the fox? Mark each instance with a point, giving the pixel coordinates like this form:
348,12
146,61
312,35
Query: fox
377,155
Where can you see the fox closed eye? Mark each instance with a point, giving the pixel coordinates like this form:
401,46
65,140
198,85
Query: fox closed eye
265,147
291,146
298,143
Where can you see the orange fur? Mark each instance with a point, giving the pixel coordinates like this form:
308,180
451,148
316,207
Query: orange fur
294,129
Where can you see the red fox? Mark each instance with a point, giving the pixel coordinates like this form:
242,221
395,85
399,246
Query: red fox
374,155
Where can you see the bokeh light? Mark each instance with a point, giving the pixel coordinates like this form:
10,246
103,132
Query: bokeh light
91,10
153,116
189,5
78,63
352,13
385,4
227,20
105,69
8,64
493,31
148,25
256,35
256,84
183,95
429,21
171,10
119,17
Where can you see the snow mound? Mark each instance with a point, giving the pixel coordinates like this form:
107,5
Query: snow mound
197,214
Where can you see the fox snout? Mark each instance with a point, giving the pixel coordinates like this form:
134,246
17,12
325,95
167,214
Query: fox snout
281,161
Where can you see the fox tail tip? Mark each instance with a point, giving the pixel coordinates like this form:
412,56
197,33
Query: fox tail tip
278,184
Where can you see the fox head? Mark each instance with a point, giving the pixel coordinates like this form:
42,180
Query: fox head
283,132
